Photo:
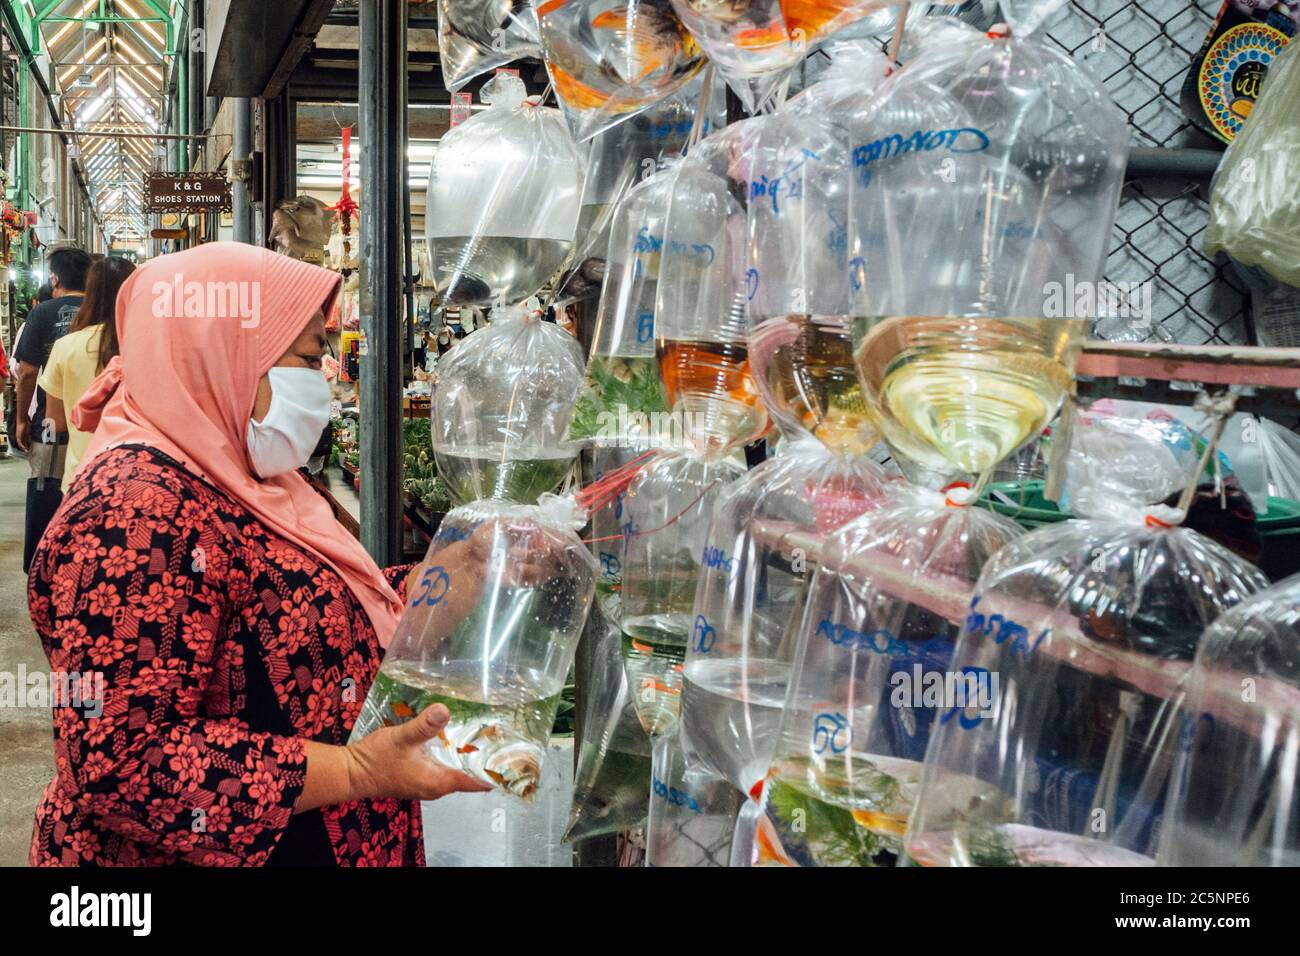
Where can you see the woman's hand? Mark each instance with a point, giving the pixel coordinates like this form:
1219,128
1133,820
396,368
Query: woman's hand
393,762
450,583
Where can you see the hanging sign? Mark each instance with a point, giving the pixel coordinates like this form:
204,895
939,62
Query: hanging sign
186,192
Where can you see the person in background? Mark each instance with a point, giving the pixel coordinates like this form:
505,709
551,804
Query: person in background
36,435
82,354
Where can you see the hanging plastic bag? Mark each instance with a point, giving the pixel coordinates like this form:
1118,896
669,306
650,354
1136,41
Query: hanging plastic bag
623,387
666,514
612,781
987,174
475,36
503,200
490,630
1281,451
502,397
700,302
1254,210
1115,456
611,59
692,811
756,43
1234,800
750,598
877,636
618,159
798,301
1084,633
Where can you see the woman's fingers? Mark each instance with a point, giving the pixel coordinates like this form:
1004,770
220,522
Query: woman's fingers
443,781
422,728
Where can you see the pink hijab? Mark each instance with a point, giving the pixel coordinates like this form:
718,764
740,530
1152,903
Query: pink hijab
198,329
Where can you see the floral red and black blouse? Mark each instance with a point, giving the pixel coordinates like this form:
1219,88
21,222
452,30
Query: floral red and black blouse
207,650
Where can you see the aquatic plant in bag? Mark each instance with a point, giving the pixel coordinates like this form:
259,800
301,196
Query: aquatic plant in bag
491,625
1234,800
502,200
873,677
750,598
611,59
1089,627
800,344
475,36
623,387
502,398
986,176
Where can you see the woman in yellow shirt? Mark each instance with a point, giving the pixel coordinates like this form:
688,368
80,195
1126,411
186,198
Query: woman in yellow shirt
82,354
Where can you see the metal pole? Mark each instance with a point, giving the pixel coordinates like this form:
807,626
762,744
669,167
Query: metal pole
382,109
241,201
108,134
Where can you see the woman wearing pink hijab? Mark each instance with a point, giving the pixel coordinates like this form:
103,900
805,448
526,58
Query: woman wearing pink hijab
219,627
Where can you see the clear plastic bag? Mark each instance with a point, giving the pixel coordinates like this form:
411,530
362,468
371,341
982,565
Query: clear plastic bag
612,781
692,811
504,190
1084,633
1117,461
1280,448
502,398
1234,800
1254,208
757,42
987,174
750,598
700,306
623,387
475,36
798,300
666,514
877,633
618,159
610,59
490,630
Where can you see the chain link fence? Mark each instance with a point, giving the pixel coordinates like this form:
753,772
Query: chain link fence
1141,52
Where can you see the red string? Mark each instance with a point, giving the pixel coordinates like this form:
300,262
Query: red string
610,485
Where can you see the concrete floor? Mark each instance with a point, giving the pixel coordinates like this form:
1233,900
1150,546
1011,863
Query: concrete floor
26,754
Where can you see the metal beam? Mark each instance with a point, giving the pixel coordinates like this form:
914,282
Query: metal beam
383,137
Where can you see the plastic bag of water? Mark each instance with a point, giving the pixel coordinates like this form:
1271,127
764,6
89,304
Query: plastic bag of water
504,190
502,400
1234,800
876,640
1078,639
750,598
491,625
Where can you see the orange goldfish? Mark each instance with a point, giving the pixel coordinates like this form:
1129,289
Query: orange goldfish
880,822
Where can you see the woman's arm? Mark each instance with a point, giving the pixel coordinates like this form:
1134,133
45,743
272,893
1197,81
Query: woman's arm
54,412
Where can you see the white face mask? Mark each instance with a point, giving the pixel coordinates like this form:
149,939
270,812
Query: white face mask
300,409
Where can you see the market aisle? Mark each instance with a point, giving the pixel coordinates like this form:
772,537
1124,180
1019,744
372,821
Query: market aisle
24,732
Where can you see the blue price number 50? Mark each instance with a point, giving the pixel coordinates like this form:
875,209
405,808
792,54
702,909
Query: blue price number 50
831,732
705,635
433,587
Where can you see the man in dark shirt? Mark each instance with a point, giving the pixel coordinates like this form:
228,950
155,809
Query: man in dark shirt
46,324
36,435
